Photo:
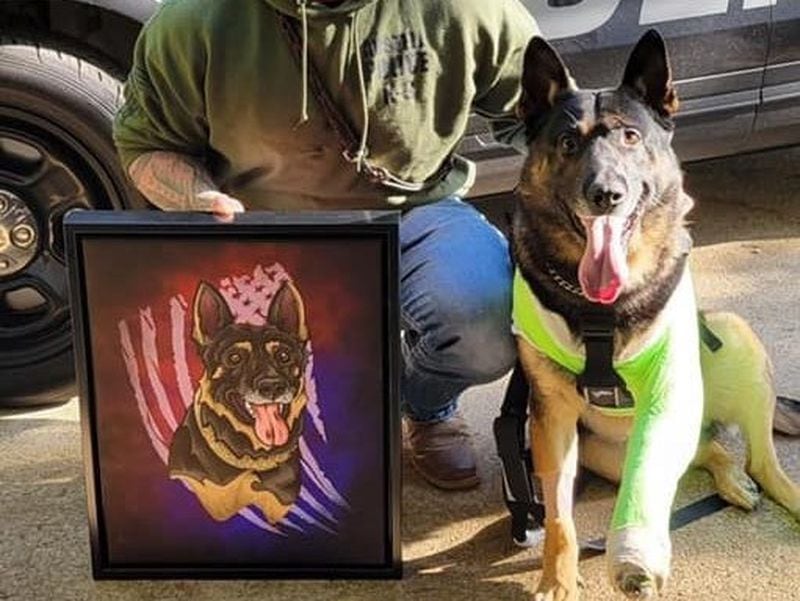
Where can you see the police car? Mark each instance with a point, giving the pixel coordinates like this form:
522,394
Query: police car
737,65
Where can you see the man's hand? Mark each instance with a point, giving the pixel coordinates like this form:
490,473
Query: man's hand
176,182
223,207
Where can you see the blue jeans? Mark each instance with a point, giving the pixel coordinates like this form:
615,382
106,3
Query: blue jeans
455,297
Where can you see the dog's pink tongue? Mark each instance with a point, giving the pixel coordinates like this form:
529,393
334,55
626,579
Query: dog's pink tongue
271,428
603,269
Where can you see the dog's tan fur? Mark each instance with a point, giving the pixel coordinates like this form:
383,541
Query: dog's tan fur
740,367
224,501
216,451
559,409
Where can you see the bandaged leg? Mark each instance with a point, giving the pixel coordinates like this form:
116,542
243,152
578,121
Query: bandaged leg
661,447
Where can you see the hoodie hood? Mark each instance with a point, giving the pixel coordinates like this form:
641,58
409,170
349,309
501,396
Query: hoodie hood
317,9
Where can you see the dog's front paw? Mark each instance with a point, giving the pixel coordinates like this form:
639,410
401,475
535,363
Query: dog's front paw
560,579
638,561
556,592
635,581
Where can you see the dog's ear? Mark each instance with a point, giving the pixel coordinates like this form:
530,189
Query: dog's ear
544,76
287,312
211,313
648,74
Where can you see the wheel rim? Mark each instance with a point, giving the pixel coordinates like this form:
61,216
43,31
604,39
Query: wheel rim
44,173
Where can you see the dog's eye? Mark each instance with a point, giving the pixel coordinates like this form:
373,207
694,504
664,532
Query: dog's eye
631,136
283,356
568,143
233,358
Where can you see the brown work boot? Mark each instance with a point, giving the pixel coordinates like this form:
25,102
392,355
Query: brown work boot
441,452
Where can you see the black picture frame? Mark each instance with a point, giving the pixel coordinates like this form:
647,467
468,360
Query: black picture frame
97,242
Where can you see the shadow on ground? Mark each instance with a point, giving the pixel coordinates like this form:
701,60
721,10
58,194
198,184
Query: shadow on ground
456,545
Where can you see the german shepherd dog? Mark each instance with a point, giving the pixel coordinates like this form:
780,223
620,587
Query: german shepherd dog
600,225
237,445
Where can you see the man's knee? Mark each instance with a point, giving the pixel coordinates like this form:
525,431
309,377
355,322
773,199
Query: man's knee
456,291
473,340
487,352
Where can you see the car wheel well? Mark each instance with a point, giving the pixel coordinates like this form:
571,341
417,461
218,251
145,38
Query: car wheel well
87,31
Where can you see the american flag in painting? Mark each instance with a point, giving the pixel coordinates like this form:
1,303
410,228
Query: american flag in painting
163,390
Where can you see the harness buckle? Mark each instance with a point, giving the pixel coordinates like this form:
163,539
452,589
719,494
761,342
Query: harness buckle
607,396
599,383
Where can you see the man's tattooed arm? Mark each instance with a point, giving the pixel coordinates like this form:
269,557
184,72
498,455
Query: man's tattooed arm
176,182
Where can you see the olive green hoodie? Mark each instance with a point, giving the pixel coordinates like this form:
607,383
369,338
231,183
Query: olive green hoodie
217,79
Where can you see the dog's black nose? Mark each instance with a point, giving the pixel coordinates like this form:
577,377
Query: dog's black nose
269,387
604,195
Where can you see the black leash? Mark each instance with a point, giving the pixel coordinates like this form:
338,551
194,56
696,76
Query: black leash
527,512
680,518
601,385
527,515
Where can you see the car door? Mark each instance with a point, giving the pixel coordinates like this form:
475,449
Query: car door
718,50
778,121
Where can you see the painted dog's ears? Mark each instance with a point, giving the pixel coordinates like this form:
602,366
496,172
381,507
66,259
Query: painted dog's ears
287,311
211,314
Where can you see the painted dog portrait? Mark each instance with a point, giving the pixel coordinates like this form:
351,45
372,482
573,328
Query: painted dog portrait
238,444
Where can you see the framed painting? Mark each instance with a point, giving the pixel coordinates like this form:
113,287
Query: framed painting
239,393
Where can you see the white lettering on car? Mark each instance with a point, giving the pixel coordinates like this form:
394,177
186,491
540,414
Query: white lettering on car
582,16
748,4
566,21
655,11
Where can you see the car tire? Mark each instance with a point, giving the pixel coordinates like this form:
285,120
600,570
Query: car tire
56,154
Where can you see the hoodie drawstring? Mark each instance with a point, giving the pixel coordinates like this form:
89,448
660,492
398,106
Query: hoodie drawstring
348,138
361,153
304,93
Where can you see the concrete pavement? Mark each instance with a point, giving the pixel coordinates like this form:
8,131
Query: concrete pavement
456,545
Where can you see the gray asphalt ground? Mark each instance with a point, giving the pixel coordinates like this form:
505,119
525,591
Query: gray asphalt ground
455,545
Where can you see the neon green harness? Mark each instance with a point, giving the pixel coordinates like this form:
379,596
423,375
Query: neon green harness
665,381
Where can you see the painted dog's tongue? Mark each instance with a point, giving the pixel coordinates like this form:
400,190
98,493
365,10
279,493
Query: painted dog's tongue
271,428
603,269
